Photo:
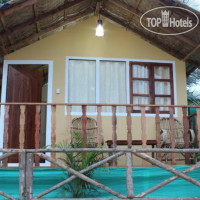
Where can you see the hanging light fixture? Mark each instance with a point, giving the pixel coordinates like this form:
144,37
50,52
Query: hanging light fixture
99,28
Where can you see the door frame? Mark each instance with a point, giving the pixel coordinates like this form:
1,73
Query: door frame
49,98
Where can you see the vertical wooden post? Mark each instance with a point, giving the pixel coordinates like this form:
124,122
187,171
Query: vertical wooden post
186,135
129,176
84,124
172,135
22,176
69,119
53,129
22,126
198,126
158,155
129,123
37,133
114,131
144,136
5,139
99,126
29,176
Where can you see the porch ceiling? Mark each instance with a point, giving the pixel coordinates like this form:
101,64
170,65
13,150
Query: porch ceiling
26,21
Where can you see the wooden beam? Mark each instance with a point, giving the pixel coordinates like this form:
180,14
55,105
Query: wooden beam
137,4
3,46
35,35
35,10
97,9
18,7
6,29
145,36
192,52
139,14
42,17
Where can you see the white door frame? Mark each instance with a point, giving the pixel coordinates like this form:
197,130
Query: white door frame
49,98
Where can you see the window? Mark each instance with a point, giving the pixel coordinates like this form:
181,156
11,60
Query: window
151,83
97,81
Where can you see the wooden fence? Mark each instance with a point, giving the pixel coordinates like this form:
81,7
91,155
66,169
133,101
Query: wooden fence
129,136
26,166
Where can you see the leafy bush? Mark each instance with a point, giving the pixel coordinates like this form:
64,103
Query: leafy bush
79,161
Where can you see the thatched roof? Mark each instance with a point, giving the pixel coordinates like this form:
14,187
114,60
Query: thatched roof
25,21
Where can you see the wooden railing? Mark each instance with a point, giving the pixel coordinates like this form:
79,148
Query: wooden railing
130,135
26,166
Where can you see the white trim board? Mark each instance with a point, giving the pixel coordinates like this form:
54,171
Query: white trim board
98,59
49,97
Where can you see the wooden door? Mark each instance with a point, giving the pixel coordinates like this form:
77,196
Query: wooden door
23,85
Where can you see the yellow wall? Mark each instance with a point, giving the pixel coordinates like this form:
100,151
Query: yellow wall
80,41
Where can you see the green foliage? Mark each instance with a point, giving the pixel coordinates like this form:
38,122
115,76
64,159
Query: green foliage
79,161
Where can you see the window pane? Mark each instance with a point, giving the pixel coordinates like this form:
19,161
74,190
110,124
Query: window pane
140,100
141,87
161,72
163,101
162,88
139,71
113,84
82,83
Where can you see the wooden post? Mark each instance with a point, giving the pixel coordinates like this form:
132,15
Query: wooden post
29,176
37,133
22,126
68,123
53,129
22,176
129,176
84,124
198,127
144,136
114,131
186,135
172,135
5,139
129,123
99,126
158,155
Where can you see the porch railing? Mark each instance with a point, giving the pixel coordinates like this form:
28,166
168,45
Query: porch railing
27,164
130,135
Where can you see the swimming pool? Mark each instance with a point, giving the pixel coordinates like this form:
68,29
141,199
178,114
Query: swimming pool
115,178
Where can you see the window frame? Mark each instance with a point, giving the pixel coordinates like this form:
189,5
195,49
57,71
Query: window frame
152,80
127,61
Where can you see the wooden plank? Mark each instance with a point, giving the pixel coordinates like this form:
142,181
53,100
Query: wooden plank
22,176
22,127
143,136
186,135
37,133
29,176
99,126
158,139
129,176
191,53
81,176
129,123
172,135
42,17
18,7
68,121
5,136
137,4
93,166
49,29
84,124
114,131
198,127
139,14
53,128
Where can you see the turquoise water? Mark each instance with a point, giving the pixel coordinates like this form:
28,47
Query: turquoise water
115,178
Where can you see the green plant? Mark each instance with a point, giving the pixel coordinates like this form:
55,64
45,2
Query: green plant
78,161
